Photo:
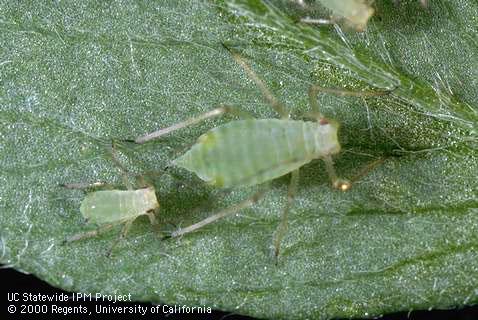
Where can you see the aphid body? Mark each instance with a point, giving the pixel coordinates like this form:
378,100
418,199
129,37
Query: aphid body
118,206
250,152
112,207
356,12
254,151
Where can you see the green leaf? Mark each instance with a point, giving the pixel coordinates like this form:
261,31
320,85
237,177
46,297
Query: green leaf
73,75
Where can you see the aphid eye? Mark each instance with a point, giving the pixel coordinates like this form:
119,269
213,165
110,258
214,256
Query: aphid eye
323,122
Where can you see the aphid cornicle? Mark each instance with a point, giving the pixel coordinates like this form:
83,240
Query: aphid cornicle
254,151
109,208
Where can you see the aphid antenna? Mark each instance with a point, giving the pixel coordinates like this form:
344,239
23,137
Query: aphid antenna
159,133
314,90
124,172
98,184
218,111
275,104
145,178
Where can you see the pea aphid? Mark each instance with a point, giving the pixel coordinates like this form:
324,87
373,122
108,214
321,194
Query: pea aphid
255,151
110,208
356,13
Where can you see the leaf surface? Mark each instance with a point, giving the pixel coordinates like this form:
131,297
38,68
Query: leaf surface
75,74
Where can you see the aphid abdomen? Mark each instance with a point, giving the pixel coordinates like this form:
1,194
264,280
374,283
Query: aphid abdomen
116,206
250,152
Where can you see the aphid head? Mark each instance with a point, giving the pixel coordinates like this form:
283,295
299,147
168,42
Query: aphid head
327,138
149,196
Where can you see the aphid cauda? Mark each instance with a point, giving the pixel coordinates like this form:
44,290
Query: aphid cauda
109,208
254,151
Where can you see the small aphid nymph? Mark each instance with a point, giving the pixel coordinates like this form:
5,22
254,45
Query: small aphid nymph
109,208
118,206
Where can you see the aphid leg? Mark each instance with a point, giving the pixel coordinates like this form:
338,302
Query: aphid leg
282,227
154,222
365,170
152,218
341,184
89,234
275,104
221,214
192,121
123,234
315,89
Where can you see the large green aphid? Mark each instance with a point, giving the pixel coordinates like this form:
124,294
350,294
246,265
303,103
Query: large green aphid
254,151
250,152
110,208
